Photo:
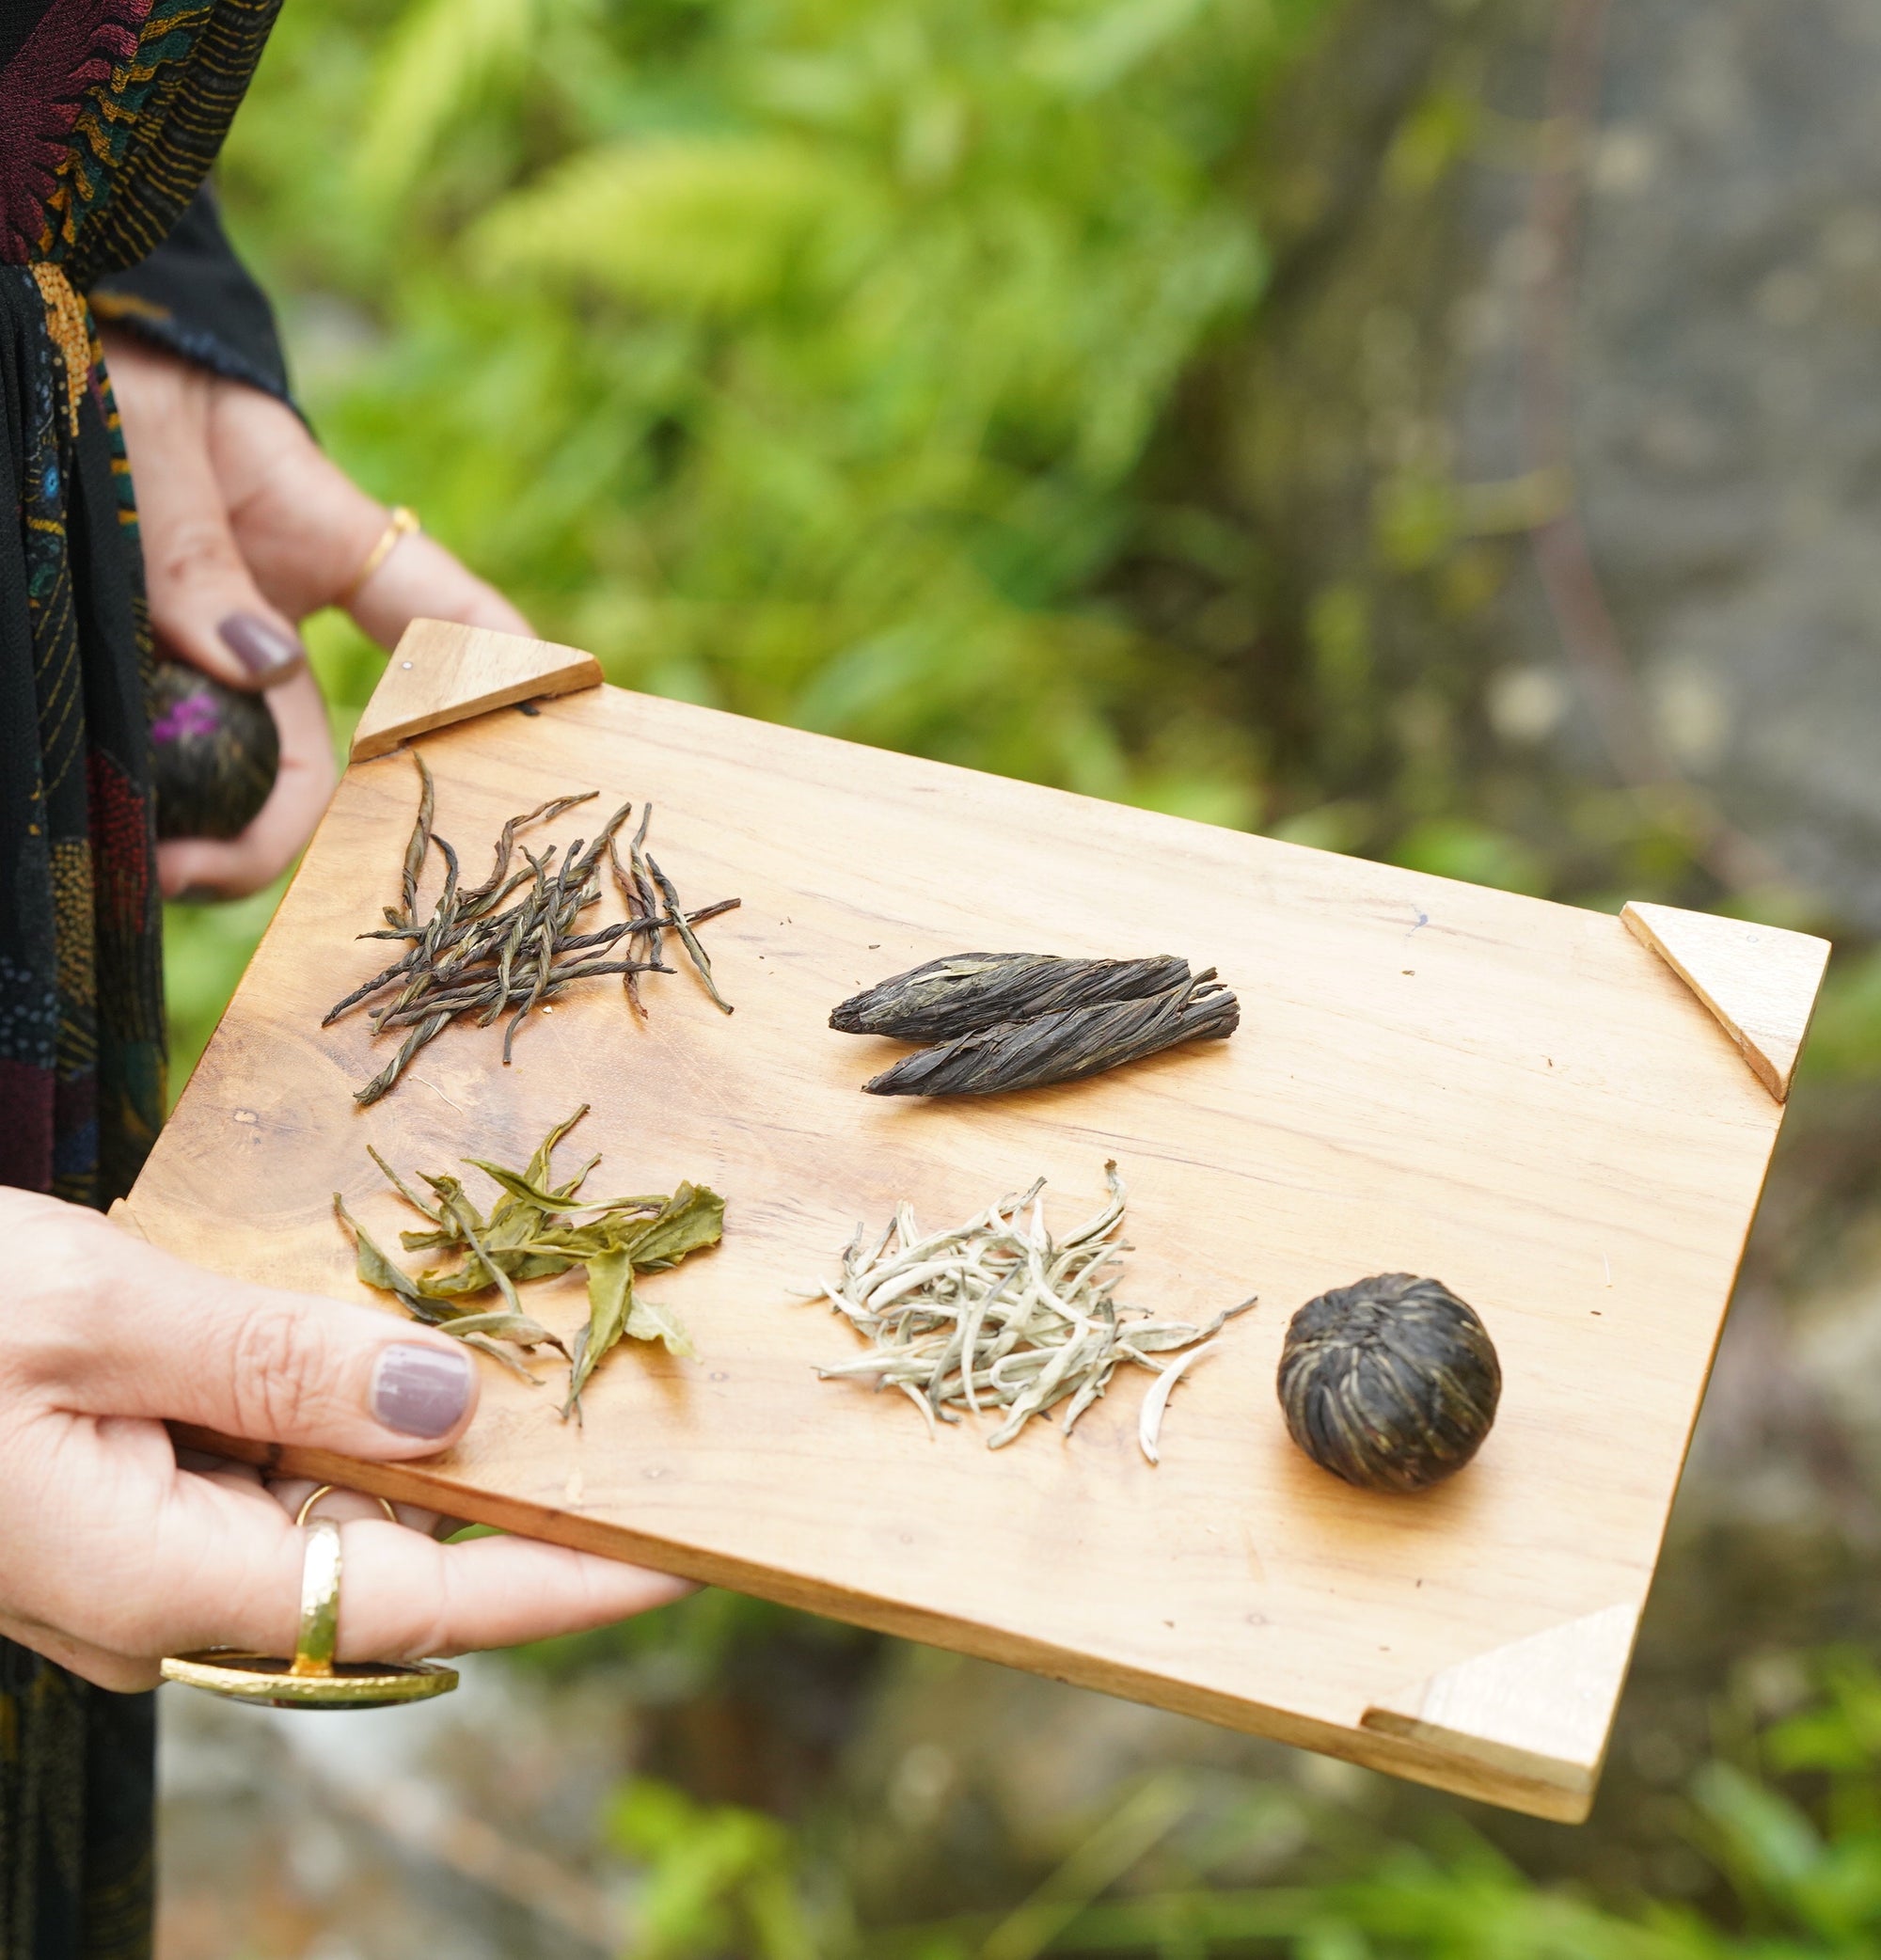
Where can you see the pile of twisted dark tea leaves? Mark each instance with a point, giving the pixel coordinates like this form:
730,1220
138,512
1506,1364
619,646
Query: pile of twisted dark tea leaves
510,942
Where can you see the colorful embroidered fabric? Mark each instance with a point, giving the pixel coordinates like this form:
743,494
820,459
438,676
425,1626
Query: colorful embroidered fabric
111,112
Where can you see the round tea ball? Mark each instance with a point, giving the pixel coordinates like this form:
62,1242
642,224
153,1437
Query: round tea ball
213,753
1391,1383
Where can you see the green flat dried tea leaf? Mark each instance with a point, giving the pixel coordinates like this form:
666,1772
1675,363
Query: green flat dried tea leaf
519,1328
529,1193
692,1218
574,1243
537,1265
497,1351
456,1207
431,1241
652,1320
610,1298
403,1190
538,1164
372,1266
454,1284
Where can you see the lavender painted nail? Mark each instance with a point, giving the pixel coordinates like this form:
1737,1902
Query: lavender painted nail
419,1391
261,647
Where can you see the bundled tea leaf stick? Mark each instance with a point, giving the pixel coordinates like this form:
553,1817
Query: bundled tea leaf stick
476,955
997,1314
1065,1046
535,1229
968,992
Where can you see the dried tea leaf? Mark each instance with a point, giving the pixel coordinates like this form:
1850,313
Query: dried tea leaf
689,939
404,1190
967,992
520,1187
506,1326
1064,1047
497,1351
419,847
610,1288
485,950
692,1218
538,1172
652,1321
372,1266
996,1314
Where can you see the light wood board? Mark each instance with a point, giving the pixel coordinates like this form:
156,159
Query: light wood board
443,673
1516,1097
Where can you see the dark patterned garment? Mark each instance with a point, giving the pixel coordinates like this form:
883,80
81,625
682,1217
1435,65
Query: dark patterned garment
111,112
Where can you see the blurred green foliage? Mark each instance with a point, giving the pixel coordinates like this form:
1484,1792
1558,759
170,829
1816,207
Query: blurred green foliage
797,358
1791,1830
800,359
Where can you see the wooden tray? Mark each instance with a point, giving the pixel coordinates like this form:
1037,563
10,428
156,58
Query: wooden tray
1520,1098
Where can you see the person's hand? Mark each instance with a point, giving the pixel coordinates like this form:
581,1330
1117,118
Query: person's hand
116,1554
248,528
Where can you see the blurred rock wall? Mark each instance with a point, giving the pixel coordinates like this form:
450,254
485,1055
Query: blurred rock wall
1597,273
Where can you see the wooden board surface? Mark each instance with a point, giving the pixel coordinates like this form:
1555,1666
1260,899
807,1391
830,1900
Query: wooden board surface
1518,1097
443,673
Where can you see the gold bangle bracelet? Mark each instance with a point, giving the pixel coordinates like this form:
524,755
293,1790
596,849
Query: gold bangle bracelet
401,522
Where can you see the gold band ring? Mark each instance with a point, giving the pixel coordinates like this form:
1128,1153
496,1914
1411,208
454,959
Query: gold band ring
400,524
312,1677
326,1489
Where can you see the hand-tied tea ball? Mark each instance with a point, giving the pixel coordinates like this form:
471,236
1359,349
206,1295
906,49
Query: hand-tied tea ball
1391,1383
213,753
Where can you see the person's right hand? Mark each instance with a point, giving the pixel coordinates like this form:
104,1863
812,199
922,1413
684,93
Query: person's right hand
115,1555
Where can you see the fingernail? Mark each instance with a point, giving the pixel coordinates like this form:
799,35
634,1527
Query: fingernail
419,1391
261,647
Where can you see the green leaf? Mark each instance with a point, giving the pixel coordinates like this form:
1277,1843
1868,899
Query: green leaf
528,1193
610,1294
538,1170
652,1321
505,1326
372,1265
692,1218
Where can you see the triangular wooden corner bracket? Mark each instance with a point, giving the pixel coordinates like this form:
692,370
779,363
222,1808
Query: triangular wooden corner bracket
1539,1708
440,673
1759,981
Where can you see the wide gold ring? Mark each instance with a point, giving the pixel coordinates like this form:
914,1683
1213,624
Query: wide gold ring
312,1677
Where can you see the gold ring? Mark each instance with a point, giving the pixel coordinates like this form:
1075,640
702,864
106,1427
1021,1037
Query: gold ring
312,1677
401,524
326,1489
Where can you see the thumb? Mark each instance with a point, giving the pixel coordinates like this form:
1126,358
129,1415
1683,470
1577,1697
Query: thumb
155,1336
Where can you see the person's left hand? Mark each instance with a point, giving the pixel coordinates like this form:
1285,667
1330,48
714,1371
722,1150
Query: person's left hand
248,528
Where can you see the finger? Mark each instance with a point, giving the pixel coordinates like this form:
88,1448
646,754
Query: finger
204,606
303,524
420,579
303,784
343,1505
402,1597
123,1674
123,1329
308,530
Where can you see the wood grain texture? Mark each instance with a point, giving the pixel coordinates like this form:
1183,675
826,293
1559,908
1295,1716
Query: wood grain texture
1512,1096
440,672
1759,981
1538,1708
